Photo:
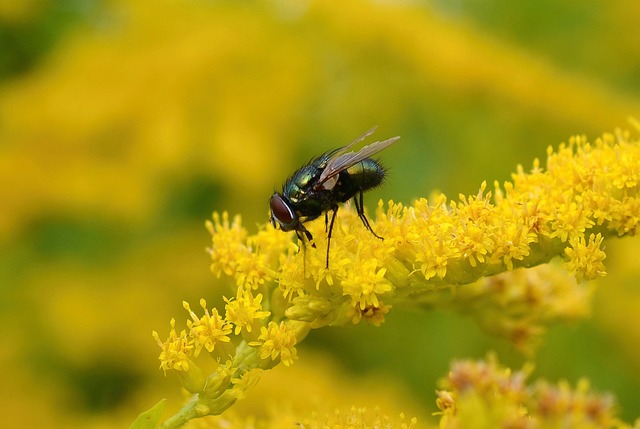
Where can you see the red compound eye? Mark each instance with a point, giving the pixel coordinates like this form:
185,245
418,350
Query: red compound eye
281,212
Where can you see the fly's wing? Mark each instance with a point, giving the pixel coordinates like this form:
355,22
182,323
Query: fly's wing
341,160
358,140
339,151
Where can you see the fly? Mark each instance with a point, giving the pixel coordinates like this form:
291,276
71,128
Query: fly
326,181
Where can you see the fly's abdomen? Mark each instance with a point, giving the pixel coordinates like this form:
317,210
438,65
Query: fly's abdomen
366,174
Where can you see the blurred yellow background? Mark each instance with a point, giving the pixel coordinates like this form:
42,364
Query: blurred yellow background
124,124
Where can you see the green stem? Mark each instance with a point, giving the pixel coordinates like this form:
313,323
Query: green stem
188,412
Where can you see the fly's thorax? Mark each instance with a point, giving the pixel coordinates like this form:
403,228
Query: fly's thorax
297,187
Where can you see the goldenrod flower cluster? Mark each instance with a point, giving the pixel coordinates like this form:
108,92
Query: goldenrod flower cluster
486,394
281,289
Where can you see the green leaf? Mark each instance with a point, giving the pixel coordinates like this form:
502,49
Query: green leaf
150,418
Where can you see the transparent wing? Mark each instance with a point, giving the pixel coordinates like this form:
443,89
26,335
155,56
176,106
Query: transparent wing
358,140
342,159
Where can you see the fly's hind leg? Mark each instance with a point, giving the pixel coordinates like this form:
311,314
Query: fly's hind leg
359,200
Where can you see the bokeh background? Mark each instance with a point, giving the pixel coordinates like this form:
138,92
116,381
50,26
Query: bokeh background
124,124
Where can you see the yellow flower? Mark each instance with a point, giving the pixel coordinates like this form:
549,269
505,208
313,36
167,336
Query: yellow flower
364,283
228,243
176,350
585,259
247,259
207,330
373,314
244,310
277,340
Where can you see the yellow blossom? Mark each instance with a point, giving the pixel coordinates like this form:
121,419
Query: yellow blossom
228,243
373,314
207,330
251,271
473,239
244,310
291,281
365,283
585,259
175,350
277,340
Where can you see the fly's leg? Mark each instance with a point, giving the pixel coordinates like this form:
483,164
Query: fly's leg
304,235
333,218
363,218
307,236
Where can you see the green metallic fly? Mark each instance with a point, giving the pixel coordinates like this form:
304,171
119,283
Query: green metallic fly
319,186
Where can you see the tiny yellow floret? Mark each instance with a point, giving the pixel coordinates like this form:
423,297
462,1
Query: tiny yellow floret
207,330
244,310
175,350
277,340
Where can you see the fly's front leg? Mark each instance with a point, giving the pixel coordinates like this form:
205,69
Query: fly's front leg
333,218
304,234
